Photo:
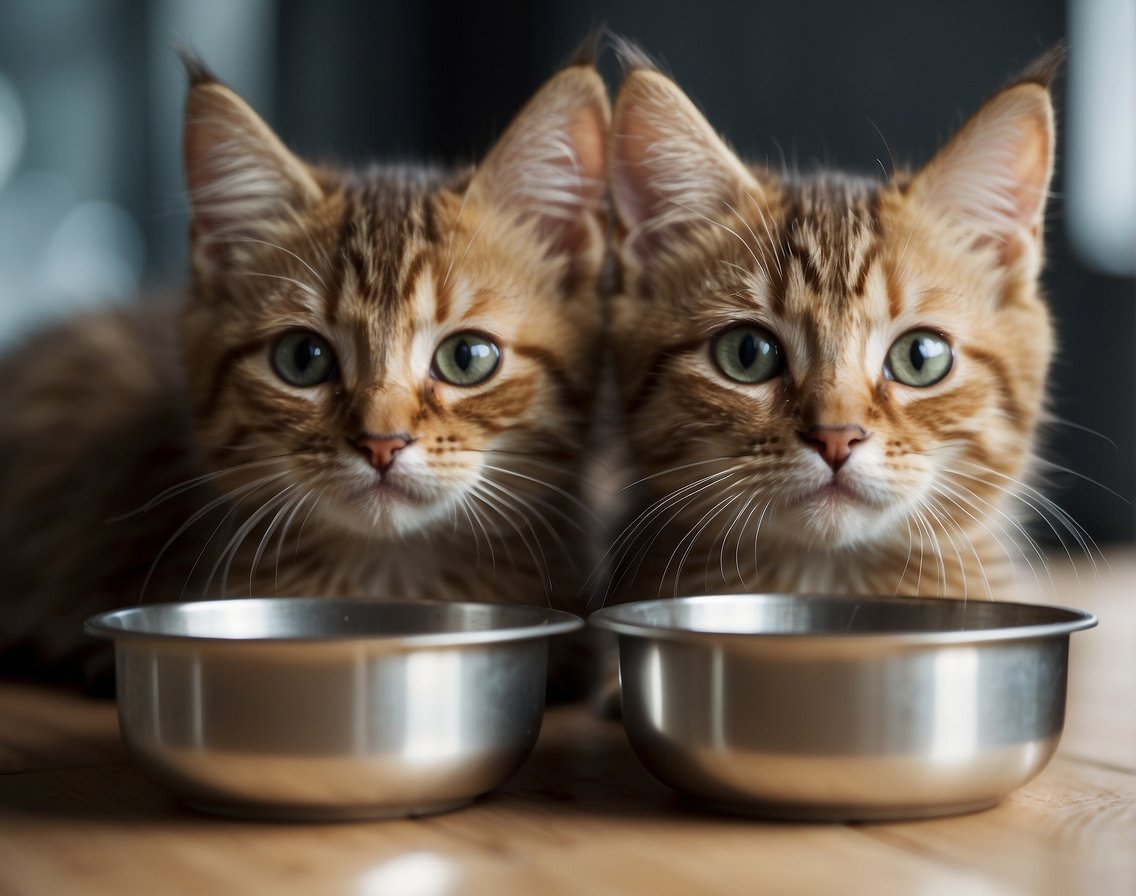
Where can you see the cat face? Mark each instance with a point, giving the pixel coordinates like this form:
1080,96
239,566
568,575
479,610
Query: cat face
391,349
830,361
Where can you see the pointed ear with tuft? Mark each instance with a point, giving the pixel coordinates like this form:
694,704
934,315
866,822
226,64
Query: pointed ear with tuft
548,166
668,165
242,180
992,177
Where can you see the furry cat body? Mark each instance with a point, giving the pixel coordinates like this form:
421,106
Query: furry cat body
309,423
829,474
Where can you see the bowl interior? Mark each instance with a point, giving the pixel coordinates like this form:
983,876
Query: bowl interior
321,619
803,615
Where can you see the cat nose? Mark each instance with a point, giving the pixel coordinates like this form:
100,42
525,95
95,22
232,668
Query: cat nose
835,443
381,449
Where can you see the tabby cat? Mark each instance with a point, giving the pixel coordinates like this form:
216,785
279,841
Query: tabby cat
380,384
829,383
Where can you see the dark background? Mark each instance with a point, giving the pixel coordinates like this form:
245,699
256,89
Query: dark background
835,82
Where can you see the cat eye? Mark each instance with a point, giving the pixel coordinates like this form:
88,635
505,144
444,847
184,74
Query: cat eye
748,354
465,359
920,358
303,359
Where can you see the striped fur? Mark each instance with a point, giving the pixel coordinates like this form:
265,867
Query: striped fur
129,477
730,491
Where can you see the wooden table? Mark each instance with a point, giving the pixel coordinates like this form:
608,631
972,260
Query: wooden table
582,816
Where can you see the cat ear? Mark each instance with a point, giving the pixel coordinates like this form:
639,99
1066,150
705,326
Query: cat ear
668,165
242,180
992,177
549,164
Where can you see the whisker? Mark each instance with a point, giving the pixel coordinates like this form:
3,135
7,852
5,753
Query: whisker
230,498
756,241
724,227
757,531
963,497
311,291
659,506
494,502
675,503
1046,509
454,261
457,218
229,552
1069,424
692,538
291,518
189,484
266,538
249,239
544,485
676,469
1051,467
946,523
777,250
747,509
474,515
907,562
526,511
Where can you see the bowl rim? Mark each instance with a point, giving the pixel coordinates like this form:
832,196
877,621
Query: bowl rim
545,623
1066,621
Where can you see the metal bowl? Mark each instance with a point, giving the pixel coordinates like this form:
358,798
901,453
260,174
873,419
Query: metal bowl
326,708
843,708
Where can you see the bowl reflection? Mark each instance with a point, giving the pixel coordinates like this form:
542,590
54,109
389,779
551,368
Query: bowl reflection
330,708
843,708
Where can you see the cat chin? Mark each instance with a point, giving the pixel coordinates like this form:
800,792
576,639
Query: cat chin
390,514
833,521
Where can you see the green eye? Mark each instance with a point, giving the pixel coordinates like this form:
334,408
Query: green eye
465,359
920,358
303,359
748,354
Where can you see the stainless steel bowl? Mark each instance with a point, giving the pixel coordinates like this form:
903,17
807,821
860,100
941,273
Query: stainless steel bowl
843,708
311,708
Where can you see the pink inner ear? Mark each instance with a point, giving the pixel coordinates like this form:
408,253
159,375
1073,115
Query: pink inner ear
585,133
993,176
1026,192
241,178
1032,163
670,168
549,166
635,196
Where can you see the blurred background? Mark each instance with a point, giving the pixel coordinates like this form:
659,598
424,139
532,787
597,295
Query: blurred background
91,206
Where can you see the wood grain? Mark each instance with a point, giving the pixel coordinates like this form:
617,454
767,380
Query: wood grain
582,816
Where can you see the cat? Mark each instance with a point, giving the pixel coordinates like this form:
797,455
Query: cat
828,383
379,384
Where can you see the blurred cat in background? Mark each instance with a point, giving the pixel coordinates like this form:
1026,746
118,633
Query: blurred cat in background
380,384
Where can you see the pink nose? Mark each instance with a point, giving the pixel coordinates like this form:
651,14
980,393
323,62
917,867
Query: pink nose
835,443
381,449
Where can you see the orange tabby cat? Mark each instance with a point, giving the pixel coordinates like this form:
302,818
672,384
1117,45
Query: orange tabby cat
829,383
381,386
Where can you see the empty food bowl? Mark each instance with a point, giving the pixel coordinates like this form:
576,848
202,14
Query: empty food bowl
327,708
843,708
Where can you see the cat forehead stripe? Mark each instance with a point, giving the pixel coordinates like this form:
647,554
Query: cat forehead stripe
831,231
388,216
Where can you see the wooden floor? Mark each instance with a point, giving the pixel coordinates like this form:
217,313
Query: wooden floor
582,817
